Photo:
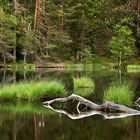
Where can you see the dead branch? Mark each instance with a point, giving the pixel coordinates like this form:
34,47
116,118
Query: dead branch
108,110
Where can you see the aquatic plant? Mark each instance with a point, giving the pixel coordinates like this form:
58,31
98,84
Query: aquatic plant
120,93
32,90
83,86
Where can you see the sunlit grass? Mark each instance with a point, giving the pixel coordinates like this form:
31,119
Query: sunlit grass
120,93
32,90
83,86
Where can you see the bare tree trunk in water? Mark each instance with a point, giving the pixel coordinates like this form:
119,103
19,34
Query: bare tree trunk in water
108,110
14,131
35,126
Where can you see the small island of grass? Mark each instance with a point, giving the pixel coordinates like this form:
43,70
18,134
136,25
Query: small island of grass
83,86
119,93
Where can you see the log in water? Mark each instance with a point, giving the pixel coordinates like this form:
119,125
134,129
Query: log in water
108,110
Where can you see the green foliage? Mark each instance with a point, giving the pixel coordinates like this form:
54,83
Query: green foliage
120,93
83,86
68,26
7,33
88,56
122,45
32,90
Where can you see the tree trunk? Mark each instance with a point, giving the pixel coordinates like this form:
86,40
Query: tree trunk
62,17
14,54
15,13
120,60
37,17
4,60
25,56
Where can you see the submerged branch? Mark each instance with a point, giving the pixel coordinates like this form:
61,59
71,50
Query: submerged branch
108,110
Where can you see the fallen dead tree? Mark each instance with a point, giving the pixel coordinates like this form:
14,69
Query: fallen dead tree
108,110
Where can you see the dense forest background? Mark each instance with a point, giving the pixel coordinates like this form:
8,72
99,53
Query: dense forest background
68,30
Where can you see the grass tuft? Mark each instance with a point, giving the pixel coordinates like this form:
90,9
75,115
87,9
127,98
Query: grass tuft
119,93
83,86
32,90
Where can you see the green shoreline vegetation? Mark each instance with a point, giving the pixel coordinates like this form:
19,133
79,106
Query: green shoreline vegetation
83,86
32,90
120,93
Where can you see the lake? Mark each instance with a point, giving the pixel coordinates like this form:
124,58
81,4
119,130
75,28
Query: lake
32,121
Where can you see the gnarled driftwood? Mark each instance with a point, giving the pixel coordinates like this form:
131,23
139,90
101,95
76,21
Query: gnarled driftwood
108,110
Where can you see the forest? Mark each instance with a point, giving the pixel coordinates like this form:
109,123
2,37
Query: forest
69,69
69,31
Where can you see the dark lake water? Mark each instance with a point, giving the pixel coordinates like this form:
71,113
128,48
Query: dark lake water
32,121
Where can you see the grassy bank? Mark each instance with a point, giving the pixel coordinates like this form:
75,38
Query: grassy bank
32,90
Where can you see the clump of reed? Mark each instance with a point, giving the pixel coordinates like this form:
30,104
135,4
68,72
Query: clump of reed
32,90
83,86
120,93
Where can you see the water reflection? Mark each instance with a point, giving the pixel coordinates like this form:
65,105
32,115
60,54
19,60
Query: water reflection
35,124
42,127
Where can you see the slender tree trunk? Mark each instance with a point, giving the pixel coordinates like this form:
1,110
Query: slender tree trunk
4,60
14,77
15,13
14,54
138,26
25,56
120,60
82,34
4,76
62,17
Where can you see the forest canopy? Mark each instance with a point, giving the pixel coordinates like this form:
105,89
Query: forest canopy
68,30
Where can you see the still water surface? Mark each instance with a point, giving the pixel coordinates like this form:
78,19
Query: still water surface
31,121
